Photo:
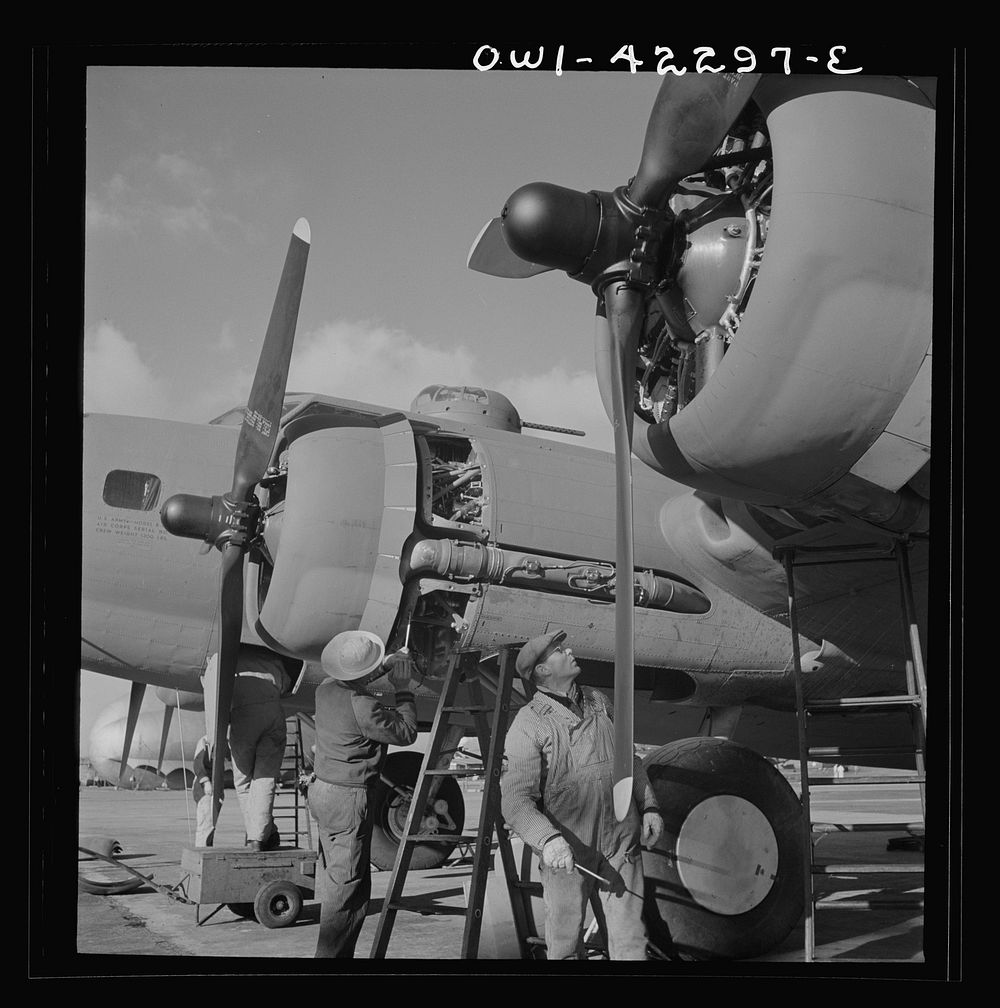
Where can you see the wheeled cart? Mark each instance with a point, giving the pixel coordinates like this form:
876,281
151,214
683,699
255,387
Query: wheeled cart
268,885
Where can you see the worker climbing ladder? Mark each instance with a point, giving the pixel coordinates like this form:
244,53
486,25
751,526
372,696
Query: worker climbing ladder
291,809
491,728
913,703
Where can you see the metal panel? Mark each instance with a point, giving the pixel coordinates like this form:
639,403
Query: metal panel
398,516
904,447
329,538
563,502
734,635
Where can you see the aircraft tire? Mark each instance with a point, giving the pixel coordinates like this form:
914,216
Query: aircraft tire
277,904
725,879
389,814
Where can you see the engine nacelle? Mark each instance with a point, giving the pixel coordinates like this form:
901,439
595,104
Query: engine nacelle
837,327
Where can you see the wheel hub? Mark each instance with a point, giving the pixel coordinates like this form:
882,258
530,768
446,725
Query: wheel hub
727,854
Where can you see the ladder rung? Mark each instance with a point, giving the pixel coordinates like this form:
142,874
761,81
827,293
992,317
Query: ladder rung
474,709
828,751
827,903
825,781
916,829
426,911
442,838
866,869
532,888
460,771
883,701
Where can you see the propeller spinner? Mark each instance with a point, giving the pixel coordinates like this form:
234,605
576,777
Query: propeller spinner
231,522
621,244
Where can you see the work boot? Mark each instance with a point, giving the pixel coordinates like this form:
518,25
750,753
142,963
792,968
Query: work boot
271,839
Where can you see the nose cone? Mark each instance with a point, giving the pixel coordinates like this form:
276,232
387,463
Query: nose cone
552,225
187,515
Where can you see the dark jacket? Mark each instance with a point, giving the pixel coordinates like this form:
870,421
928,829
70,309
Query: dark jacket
353,730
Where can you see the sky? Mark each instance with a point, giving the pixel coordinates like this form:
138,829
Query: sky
196,176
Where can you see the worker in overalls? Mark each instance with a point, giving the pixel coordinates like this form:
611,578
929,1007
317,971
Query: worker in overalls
557,795
257,740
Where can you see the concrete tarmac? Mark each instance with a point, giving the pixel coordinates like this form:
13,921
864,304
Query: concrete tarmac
154,826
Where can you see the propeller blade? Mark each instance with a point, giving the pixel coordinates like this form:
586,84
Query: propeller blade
263,413
491,254
689,119
134,703
231,626
167,715
624,309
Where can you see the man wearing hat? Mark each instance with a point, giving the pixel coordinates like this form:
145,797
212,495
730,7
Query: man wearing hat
557,795
353,730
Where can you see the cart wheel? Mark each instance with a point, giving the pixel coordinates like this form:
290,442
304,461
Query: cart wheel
241,909
278,904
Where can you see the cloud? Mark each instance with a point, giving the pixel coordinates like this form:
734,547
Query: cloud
117,380
358,360
227,341
371,363
561,398
172,193
186,174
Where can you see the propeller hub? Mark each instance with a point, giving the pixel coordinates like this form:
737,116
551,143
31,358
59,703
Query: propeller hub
552,225
585,234
216,520
187,515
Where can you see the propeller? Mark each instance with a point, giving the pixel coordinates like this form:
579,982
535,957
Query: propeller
623,315
231,522
491,254
136,693
624,245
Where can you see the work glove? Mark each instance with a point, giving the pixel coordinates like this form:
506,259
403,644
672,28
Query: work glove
652,827
401,669
207,786
557,853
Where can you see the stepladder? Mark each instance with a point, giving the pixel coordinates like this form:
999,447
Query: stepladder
463,701
291,808
820,876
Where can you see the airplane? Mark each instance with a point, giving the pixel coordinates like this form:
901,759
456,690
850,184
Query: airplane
764,351
161,749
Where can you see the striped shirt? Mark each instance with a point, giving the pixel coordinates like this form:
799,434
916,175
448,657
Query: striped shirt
538,767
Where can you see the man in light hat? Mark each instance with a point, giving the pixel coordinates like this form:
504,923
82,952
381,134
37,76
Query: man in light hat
557,795
353,730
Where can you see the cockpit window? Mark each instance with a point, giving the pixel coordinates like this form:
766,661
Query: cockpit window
134,490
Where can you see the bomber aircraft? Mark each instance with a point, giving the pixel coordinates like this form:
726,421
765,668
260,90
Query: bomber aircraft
763,348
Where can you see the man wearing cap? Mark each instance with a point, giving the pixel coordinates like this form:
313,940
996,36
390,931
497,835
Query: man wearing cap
353,730
557,795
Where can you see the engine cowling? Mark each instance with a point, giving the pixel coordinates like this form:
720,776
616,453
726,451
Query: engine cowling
839,321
